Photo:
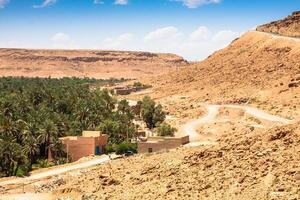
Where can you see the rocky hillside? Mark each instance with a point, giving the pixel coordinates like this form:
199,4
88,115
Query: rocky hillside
80,63
289,26
245,165
257,68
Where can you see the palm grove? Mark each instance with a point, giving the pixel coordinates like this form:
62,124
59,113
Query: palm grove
35,112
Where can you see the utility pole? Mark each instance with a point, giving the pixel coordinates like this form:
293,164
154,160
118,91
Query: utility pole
67,152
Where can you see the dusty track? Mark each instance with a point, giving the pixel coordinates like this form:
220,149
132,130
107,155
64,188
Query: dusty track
54,172
212,112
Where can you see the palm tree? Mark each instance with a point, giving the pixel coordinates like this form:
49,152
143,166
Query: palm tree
48,136
31,149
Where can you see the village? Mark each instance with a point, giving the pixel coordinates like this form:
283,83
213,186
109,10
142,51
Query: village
94,142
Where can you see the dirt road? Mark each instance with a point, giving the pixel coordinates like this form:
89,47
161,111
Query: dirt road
212,112
296,39
53,172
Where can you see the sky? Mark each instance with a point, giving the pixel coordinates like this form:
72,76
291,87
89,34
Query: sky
190,28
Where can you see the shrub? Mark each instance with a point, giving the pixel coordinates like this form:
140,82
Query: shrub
138,84
109,149
42,163
166,130
125,147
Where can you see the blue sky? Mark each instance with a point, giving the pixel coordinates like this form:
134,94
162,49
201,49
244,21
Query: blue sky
191,28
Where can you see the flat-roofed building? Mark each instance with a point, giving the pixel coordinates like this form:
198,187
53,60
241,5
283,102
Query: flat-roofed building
122,90
155,144
90,143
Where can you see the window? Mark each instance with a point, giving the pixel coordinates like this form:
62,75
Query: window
150,150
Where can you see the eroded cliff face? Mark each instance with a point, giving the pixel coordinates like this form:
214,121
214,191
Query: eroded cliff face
290,26
80,63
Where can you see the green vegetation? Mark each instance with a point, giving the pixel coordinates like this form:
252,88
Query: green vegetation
125,147
140,85
166,130
35,112
137,84
121,148
119,124
152,114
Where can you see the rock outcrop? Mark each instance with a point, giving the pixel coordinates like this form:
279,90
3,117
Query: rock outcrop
289,26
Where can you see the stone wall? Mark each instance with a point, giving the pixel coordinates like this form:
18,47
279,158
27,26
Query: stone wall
161,143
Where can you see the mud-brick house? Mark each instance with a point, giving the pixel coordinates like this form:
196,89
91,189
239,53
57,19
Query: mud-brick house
90,143
122,90
155,144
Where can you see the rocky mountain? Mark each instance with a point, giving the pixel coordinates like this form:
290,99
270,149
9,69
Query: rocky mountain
289,26
259,69
80,63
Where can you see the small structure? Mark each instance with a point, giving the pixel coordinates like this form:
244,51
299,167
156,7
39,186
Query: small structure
90,143
122,90
155,144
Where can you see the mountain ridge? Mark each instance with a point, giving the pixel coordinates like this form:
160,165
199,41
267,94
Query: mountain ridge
85,63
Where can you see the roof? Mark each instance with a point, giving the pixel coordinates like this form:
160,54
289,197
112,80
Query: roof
91,133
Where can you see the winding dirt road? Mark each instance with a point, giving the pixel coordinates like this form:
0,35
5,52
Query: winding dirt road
212,112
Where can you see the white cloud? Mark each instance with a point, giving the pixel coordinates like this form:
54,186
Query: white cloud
196,45
121,2
3,3
197,3
193,45
63,41
46,3
118,43
98,2
202,33
225,35
163,34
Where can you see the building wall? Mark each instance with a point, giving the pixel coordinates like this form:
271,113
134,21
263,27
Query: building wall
143,147
101,142
79,148
123,91
161,143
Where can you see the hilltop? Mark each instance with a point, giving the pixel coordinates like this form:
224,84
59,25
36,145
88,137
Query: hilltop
290,26
85,63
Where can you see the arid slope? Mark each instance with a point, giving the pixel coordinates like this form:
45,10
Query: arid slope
258,68
80,63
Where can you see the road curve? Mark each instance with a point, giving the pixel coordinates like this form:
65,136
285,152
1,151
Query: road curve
213,110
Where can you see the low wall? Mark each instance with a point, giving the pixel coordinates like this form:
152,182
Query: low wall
161,143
